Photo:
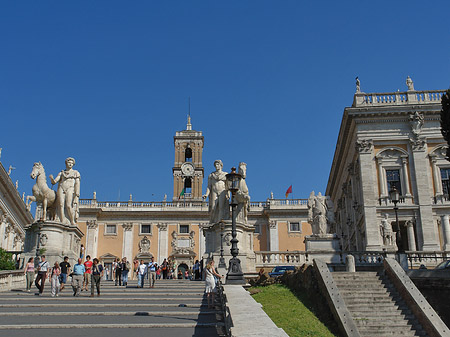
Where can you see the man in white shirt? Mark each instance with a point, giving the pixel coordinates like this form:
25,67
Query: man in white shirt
142,271
43,270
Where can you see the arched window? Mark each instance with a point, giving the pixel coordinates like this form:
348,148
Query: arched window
187,185
188,154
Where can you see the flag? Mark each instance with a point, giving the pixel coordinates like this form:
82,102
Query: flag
289,190
182,193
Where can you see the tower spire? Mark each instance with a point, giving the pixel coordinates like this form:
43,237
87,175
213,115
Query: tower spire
189,125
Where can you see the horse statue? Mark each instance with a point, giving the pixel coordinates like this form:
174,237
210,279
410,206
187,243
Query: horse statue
242,196
42,194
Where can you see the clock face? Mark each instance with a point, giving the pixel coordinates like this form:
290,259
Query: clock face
187,169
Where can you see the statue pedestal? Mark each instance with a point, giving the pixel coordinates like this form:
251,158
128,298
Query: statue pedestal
324,247
56,241
245,244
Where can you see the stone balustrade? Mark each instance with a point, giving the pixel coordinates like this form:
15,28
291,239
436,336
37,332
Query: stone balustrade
12,279
398,98
429,259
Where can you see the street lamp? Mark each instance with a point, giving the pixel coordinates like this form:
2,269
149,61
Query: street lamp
221,260
235,274
394,195
39,226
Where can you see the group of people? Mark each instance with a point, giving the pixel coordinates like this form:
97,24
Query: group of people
120,269
82,274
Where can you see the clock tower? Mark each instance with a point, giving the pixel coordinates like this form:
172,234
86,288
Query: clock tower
188,169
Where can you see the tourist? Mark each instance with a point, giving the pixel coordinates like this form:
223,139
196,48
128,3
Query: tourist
29,272
180,275
152,268
196,270
142,272
77,277
135,268
43,270
186,274
88,270
82,252
118,272
96,276
165,268
210,283
158,273
65,270
56,272
125,270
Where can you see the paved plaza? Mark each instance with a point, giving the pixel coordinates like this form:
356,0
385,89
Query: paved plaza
172,308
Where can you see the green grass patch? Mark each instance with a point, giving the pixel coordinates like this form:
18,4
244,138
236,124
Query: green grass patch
290,311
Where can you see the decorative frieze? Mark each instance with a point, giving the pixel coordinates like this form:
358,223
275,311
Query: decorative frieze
418,144
364,145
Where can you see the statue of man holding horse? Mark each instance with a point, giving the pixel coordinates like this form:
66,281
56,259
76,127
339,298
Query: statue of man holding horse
68,192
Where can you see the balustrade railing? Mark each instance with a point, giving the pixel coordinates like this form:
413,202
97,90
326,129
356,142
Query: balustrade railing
11,279
399,98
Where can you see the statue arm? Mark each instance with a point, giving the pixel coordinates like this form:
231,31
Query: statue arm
56,180
208,191
77,186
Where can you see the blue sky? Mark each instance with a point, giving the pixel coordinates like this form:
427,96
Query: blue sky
108,82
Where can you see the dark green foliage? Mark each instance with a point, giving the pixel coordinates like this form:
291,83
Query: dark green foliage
6,261
445,120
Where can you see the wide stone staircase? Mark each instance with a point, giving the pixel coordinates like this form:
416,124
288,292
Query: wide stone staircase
173,308
375,305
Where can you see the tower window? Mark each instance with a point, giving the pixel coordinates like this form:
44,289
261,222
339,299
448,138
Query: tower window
188,154
187,185
393,180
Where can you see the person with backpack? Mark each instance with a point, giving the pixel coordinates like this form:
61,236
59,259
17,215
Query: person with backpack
125,271
56,272
152,266
96,276
165,268
118,272
43,271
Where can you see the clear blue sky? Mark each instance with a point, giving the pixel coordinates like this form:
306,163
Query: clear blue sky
108,82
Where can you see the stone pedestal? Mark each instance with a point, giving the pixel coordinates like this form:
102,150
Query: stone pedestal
56,241
245,244
324,247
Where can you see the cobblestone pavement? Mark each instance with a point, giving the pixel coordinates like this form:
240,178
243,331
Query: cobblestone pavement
172,308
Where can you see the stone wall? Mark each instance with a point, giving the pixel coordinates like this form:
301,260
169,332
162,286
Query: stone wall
12,279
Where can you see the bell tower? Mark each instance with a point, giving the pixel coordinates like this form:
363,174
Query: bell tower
188,169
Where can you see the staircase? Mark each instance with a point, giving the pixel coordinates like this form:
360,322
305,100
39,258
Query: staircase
173,308
375,305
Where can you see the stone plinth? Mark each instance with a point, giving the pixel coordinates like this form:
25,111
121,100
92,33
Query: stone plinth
326,243
56,241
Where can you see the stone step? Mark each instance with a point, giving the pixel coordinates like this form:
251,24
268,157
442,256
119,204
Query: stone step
389,331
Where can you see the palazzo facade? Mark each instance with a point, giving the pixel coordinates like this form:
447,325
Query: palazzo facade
389,140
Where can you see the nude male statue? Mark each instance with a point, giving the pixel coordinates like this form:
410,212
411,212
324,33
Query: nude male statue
68,192
218,194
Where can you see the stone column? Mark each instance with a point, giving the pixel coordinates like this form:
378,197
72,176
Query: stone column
446,231
127,247
382,178
163,248
407,191
425,225
92,238
273,234
436,176
411,236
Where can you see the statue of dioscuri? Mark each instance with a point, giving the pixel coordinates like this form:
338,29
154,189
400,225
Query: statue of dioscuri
218,194
42,194
320,213
242,196
68,193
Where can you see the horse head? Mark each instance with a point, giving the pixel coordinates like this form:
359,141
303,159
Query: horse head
242,169
37,170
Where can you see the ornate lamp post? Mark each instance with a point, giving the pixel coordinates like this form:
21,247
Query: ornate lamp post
221,260
394,195
235,274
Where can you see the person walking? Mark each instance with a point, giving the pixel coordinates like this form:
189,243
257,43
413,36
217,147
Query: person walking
165,268
43,270
152,268
196,270
135,269
56,272
125,271
97,274
65,270
88,271
77,277
210,283
142,272
158,273
118,272
29,273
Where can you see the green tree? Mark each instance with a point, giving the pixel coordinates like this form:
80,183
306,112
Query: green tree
6,260
445,119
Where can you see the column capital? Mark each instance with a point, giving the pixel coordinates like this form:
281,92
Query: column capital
272,224
364,145
162,226
127,226
92,224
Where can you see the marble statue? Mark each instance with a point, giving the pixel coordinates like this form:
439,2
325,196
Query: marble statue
218,194
386,231
320,213
10,169
271,195
42,194
242,196
68,193
358,85
416,121
410,84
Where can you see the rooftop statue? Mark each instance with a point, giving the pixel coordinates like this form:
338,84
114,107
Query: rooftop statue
218,194
410,84
358,85
68,193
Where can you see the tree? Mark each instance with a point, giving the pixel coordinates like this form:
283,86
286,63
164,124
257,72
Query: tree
6,261
445,120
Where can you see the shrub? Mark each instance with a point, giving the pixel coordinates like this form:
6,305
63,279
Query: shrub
6,261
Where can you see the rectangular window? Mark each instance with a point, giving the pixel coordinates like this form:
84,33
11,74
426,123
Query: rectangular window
294,227
257,229
184,229
146,229
393,180
111,229
445,177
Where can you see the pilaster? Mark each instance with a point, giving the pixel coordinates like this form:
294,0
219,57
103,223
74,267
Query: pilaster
127,247
163,240
273,234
